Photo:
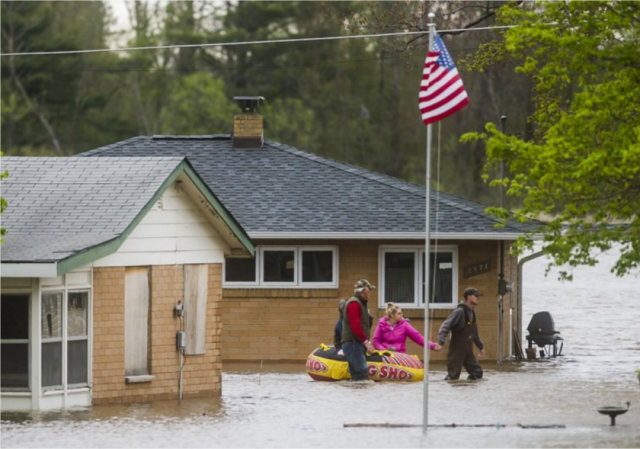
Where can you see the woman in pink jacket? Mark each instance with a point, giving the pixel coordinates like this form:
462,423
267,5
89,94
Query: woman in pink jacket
393,330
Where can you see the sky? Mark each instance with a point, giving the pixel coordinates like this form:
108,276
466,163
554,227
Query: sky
119,8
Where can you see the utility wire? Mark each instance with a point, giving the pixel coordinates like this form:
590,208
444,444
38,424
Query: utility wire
228,44
408,55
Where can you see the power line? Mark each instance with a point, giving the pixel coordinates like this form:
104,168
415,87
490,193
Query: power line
228,44
228,69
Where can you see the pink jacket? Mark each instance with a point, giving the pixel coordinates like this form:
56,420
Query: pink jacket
385,337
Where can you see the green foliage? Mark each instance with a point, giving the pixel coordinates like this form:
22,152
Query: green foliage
197,104
582,171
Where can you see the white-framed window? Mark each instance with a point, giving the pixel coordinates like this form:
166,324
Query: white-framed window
285,267
14,342
64,327
402,276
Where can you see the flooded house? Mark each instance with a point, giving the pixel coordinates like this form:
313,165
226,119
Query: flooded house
283,235
320,225
111,279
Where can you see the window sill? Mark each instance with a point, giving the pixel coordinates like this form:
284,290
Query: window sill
60,391
138,379
279,293
17,394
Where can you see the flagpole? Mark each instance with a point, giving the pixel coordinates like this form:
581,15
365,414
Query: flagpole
427,255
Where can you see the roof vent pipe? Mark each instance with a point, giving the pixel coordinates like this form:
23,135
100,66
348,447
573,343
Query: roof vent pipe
248,125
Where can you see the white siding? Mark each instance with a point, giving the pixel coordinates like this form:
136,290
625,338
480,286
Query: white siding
174,231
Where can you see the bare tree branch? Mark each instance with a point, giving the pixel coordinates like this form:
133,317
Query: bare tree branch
32,104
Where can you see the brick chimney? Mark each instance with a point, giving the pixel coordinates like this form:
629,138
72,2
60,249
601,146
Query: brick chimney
248,126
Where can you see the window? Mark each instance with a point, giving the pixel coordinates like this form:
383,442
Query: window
77,337
402,276
242,271
136,321
278,266
64,326
51,330
287,266
14,342
196,280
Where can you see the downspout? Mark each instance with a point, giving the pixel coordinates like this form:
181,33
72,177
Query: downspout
521,262
501,292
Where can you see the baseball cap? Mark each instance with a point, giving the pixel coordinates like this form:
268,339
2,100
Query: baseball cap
471,291
362,283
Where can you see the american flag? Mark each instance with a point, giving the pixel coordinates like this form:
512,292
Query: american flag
441,89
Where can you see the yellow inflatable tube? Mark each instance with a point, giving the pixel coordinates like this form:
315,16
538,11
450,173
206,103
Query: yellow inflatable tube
328,364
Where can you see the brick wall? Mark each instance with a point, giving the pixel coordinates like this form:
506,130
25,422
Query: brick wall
288,324
201,374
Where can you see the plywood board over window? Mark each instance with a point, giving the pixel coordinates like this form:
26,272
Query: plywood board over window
136,321
196,279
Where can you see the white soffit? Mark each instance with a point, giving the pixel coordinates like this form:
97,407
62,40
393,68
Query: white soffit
29,270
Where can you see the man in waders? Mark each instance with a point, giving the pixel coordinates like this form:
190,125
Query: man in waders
356,331
464,333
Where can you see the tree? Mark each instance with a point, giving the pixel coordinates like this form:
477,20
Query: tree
53,100
582,168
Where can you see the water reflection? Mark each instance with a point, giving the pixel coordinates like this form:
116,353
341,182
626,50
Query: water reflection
280,406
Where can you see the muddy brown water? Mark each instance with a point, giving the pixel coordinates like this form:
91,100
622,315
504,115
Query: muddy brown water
280,406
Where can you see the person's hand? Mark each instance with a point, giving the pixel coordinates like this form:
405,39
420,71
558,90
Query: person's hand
437,347
481,353
369,347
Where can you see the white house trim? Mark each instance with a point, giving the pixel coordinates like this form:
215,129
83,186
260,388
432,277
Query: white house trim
29,270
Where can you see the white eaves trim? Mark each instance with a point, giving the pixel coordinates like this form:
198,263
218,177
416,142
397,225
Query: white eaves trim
387,235
29,270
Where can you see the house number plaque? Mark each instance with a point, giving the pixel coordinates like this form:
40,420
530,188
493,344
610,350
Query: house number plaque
477,268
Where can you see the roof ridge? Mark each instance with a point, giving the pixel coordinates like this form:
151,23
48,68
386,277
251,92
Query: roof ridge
190,137
108,147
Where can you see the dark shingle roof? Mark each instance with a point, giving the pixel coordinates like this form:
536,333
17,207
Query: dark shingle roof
282,190
61,206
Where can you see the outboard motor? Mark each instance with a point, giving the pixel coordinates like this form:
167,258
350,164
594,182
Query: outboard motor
542,332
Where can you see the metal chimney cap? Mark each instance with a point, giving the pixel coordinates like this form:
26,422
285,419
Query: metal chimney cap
248,104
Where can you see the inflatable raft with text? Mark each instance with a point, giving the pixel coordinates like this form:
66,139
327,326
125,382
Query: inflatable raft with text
328,364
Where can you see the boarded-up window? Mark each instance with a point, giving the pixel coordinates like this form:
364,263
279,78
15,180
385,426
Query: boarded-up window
136,321
195,305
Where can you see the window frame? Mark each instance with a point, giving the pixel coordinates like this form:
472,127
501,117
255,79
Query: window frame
419,256
334,274
84,337
64,338
261,263
297,282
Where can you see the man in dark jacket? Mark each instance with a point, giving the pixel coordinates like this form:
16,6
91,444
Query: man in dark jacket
356,331
337,331
464,333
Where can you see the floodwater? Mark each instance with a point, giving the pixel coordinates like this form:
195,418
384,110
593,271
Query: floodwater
518,404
